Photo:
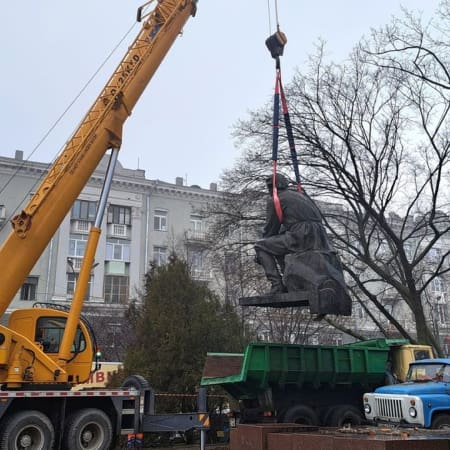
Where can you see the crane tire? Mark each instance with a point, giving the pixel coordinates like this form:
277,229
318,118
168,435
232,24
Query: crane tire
301,414
24,429
136,381
88,429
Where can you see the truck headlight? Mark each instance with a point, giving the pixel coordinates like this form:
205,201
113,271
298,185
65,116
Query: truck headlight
367,408
412,412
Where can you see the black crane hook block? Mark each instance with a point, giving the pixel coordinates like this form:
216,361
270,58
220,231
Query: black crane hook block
276,43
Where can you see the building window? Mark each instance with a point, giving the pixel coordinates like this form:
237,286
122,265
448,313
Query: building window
408,247
72,278
435,254
437,285
160,220
160,256
264,336
28,290
442,312
197,226
117,250
195,261
231,263
116,289
383,250
360,312
71,282
119,214
84,210
77,245
196,222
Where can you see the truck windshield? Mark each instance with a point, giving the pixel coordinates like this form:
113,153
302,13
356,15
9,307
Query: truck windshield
428,372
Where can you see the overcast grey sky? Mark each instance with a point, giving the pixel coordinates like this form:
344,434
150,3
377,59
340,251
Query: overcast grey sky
216,72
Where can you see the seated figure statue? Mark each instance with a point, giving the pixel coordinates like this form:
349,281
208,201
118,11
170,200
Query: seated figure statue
298,248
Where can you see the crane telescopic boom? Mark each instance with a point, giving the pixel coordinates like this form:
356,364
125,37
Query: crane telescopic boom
100,130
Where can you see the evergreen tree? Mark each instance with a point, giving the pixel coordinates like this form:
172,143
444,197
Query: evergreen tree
179,322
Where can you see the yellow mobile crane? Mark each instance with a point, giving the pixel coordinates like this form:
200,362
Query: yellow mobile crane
37,408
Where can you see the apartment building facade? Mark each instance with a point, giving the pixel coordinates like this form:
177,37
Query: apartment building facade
145,221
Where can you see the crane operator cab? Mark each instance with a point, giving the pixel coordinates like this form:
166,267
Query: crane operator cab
32,343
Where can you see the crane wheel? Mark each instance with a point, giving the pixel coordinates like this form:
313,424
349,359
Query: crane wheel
88,429
27,429
137,382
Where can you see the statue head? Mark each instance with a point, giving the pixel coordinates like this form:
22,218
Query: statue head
281,182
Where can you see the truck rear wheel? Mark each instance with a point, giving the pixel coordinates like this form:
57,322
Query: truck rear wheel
344,415
27,430
301,414
88,429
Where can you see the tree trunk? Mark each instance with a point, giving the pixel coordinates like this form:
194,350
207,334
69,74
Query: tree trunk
424,334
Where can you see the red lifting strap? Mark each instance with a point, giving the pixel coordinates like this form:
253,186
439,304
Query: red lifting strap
275,138
276,199
275,131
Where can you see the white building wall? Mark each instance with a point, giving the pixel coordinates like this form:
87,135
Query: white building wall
131,189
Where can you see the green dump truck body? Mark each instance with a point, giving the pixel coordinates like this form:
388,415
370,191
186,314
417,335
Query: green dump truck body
316,373
265,364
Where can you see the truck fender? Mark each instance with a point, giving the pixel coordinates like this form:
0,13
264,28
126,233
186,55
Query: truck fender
301,414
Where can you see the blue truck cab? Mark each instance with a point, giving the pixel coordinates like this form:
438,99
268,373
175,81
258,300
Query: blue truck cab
423,400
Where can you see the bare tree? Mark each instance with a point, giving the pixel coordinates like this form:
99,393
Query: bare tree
114,331
408,47
376,145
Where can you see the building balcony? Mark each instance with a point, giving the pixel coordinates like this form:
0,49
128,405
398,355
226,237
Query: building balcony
196,236
118,230
201,274
74,263
80,226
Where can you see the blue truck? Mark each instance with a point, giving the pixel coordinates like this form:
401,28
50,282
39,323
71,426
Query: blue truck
423,400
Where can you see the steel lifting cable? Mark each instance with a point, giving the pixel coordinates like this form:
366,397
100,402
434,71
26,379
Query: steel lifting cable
275,43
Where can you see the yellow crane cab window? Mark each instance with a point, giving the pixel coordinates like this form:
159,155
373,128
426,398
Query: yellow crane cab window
49,332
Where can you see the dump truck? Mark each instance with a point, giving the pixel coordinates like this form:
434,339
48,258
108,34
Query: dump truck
309,384
421,401
48,349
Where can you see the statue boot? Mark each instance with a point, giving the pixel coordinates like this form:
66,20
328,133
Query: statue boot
271,270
